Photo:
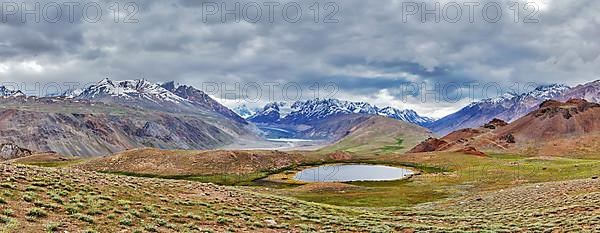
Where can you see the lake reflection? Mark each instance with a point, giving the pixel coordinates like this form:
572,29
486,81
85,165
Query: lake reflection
355,172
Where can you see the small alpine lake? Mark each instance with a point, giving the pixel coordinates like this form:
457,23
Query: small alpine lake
352,172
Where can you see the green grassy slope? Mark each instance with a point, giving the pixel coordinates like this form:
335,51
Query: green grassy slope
380,135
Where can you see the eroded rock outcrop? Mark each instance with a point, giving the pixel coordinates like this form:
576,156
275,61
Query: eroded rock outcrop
13,151
430,145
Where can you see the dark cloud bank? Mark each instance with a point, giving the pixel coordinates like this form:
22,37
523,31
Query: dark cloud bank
370,53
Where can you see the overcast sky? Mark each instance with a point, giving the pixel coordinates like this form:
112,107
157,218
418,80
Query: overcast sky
369,50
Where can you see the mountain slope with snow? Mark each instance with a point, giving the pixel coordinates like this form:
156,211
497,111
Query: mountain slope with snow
199,99
138,89
148,95
112,116
86,128
512,106
244,111
589,91
138,93
5,92
303,112
407,115
269,114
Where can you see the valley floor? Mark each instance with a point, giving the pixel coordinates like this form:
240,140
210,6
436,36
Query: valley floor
277,144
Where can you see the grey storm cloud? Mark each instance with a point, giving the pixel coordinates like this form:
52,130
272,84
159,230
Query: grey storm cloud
369,53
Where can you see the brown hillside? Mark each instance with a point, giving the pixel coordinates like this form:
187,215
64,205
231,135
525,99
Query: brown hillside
570,128
462,134
554,120
430,145
463,140
187,163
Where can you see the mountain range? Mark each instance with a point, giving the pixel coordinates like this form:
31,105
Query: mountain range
512,106
302,112
570,128
508,107
331,120
167,96
5,92
244,111
112,116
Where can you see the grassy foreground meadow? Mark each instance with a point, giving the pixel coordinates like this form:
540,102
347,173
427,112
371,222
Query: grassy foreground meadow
447,175
453,192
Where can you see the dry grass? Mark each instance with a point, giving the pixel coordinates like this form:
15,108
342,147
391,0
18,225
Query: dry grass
75,201
191,163
502,192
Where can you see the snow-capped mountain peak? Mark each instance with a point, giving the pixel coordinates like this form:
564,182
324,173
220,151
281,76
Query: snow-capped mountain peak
548,91
407,115
170,85
507,107
244,111
542,92
105,81
322,108
72,93
129,89
272,112
5,92
316,109
272,107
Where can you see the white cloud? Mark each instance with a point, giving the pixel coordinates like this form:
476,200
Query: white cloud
32,66
4,68
542,4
